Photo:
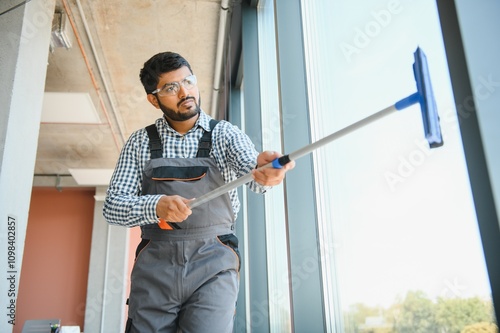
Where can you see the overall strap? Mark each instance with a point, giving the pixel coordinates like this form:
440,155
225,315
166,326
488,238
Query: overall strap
155,146
205,144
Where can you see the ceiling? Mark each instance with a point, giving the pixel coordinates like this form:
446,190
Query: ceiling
94,99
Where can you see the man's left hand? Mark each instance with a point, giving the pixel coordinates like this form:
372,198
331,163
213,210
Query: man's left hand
270,176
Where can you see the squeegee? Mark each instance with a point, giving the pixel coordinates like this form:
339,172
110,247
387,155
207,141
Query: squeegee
430,118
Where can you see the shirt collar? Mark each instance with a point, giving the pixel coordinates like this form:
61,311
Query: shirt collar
203,121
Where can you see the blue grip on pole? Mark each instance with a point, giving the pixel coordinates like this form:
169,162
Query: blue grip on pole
276,164
279,162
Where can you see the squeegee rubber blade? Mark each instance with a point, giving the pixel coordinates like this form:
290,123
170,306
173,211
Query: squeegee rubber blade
430,116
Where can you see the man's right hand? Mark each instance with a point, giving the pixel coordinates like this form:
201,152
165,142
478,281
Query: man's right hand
173,208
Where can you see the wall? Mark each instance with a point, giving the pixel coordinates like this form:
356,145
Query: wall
53,281
25,36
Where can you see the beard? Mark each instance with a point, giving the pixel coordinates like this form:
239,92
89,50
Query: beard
180,116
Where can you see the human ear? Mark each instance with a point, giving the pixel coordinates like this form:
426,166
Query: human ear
153,100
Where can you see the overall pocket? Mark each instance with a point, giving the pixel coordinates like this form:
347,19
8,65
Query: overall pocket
231,241
141,246
171,173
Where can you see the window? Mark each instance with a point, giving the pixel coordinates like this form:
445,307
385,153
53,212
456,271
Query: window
396,223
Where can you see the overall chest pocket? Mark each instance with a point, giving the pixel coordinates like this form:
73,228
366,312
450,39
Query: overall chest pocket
177,173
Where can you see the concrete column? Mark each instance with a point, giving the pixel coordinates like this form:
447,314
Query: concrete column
108,274
25,29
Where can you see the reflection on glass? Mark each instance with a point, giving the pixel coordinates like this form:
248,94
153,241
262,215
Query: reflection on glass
399,239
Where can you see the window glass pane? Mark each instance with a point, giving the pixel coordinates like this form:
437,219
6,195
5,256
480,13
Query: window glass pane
399,238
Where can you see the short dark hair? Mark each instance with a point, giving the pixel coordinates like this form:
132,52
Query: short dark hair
158,64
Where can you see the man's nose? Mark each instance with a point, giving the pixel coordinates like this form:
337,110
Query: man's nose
183,91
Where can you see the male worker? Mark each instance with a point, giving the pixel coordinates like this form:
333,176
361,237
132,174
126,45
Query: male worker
185,276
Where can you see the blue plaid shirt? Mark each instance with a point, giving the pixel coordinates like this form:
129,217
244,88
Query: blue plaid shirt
232,149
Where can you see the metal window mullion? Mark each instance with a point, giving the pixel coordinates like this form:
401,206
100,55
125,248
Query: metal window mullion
257,264
276,240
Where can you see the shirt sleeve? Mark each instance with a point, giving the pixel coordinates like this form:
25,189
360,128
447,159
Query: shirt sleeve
242,157
123,204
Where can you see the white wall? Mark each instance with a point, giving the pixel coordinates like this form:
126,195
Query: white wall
25,35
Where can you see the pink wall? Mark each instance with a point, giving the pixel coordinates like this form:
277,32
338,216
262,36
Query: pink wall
53,282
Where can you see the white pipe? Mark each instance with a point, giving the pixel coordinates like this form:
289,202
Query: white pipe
219,56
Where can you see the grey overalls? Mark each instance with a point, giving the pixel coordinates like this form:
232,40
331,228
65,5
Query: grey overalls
185,278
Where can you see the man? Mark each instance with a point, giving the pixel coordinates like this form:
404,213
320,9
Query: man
185,276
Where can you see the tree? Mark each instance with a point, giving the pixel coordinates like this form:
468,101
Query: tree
453,314
358,313
480,328
417,315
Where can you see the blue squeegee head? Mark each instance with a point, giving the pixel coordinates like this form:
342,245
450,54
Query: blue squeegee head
430,116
